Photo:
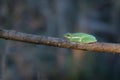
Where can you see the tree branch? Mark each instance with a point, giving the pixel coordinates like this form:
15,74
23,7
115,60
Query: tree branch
57,42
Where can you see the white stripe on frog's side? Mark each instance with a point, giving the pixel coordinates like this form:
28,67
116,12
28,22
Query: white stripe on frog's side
75,37
78,37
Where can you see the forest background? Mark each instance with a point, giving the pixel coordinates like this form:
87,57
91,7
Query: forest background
54,18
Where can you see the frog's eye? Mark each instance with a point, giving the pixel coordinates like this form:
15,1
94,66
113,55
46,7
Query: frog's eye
68,35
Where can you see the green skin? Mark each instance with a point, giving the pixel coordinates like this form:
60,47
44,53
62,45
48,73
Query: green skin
80,37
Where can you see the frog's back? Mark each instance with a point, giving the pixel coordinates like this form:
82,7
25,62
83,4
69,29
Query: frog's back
80,34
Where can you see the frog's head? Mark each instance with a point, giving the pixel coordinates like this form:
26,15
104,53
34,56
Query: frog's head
68,35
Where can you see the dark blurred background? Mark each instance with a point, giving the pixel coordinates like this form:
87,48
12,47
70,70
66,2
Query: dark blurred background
23,61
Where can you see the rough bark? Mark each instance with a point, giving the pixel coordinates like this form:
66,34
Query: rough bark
58,42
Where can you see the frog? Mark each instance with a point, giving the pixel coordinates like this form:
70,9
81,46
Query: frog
83,38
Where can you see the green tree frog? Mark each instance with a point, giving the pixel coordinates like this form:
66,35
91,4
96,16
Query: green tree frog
80,37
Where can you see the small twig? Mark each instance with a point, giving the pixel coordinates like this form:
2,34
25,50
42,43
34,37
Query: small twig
58,42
